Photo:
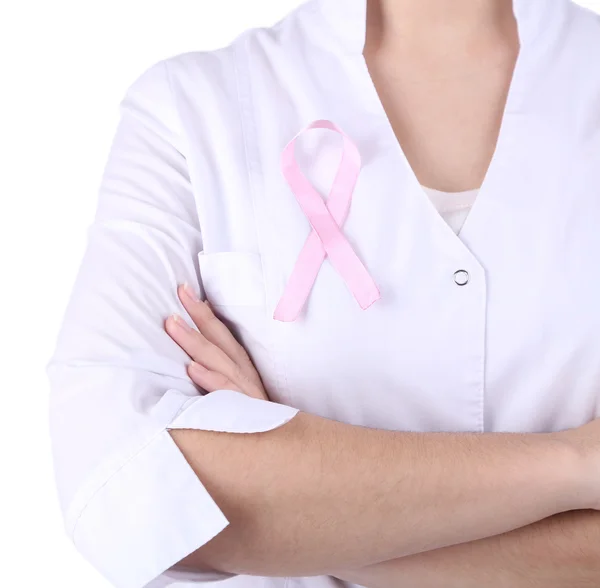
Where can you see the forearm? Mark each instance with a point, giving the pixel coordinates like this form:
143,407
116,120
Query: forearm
562,551
316,495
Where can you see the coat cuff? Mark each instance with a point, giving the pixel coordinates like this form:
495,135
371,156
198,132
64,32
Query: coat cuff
145,509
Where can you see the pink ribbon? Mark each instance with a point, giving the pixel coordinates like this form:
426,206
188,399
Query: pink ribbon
326,238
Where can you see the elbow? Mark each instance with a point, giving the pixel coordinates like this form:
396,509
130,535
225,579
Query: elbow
226,468
233,551
235,472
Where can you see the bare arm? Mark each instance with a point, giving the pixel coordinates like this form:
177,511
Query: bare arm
562,551
317,495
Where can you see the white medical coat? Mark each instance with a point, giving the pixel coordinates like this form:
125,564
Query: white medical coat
193,190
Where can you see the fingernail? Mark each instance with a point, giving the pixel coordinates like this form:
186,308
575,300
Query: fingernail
190,292
181,323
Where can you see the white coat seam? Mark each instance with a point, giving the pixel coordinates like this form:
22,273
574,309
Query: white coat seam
246,120
99,488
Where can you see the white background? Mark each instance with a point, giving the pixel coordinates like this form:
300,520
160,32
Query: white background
64,66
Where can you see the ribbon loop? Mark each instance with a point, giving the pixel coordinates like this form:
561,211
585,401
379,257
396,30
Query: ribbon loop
326,238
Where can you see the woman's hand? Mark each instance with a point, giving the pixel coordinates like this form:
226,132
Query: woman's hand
218,360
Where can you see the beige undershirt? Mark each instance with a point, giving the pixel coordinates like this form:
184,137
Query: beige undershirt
454,207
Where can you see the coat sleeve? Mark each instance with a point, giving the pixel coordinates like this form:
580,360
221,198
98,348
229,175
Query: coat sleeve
132,505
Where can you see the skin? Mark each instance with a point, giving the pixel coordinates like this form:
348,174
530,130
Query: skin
559,552
381,508
442,71
321,497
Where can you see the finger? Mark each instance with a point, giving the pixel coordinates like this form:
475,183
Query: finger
209,380
214,330
209,324
203,351
197,346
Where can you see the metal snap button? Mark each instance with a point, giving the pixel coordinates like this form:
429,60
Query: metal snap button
461,277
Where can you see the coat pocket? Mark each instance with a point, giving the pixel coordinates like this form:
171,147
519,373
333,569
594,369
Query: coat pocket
232,278
233,283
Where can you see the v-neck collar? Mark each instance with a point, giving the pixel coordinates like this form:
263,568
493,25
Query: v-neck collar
540,25
538,22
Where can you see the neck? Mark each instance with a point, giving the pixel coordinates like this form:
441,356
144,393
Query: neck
393,21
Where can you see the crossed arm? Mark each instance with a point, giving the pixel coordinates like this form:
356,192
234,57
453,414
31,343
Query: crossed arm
313,496
385,508
562,551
